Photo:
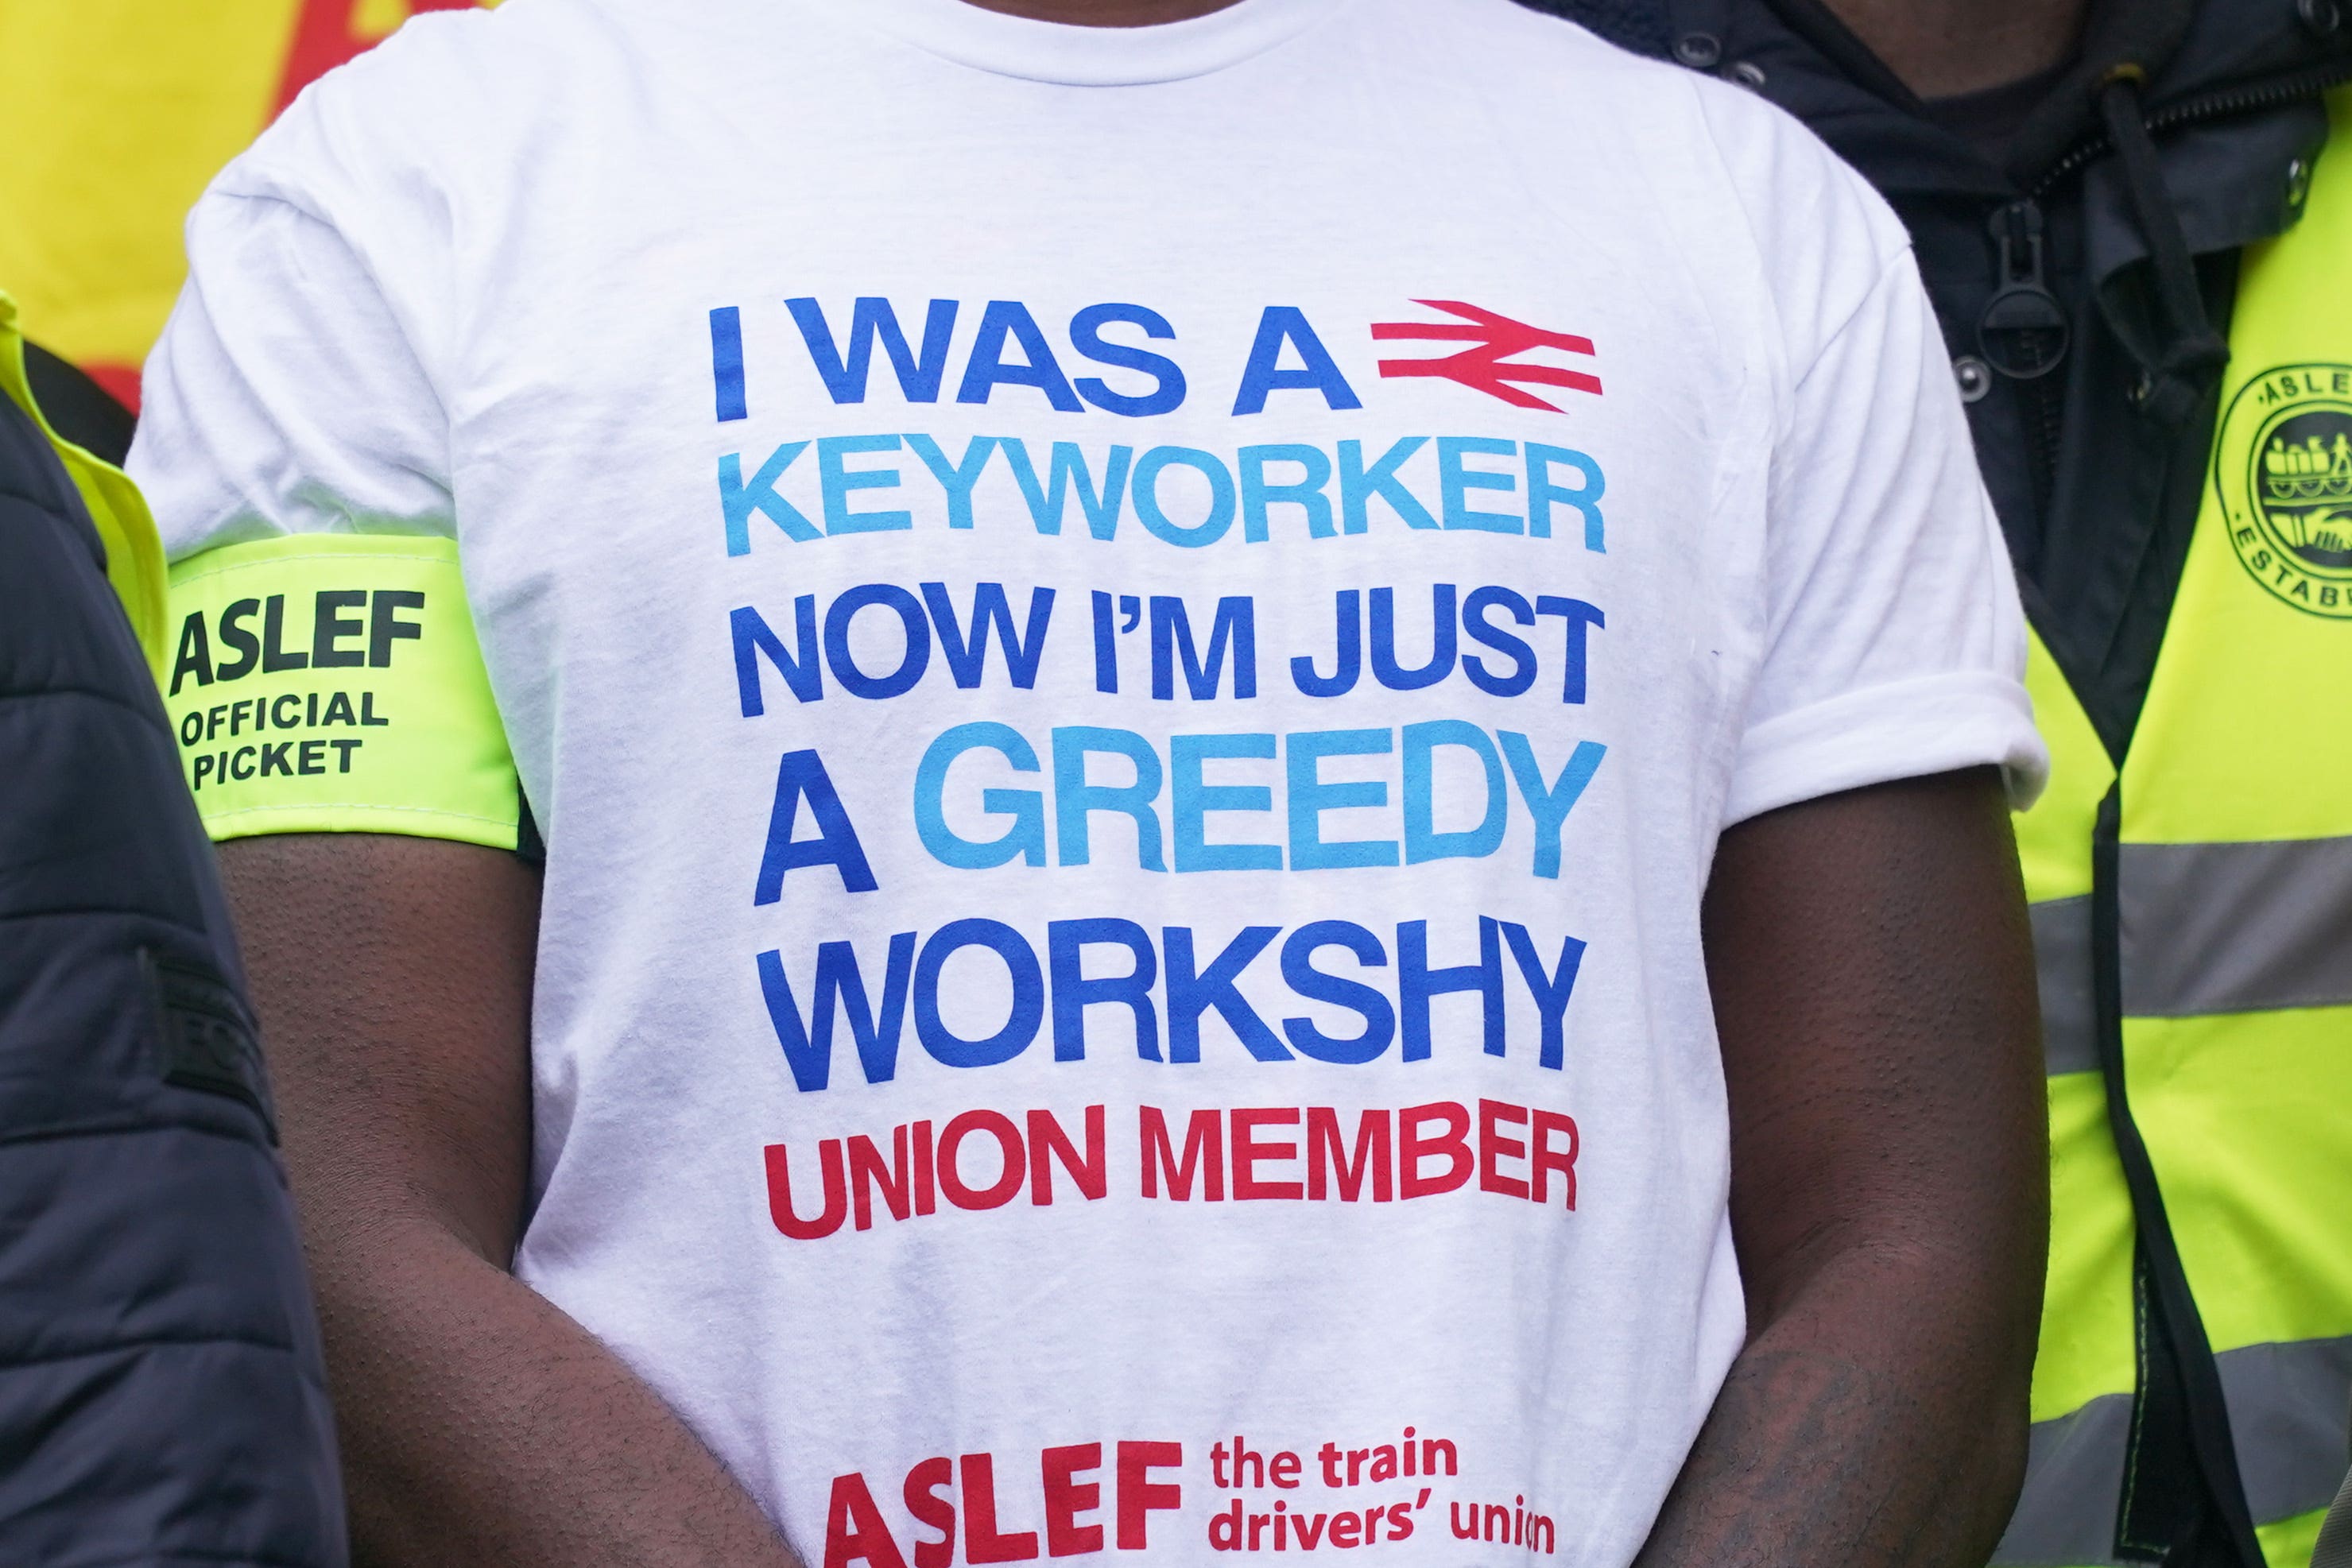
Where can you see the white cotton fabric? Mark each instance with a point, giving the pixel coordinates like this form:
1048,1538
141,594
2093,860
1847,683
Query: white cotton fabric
466,286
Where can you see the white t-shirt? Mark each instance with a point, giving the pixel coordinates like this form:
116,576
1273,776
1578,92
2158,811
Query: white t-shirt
1219,1061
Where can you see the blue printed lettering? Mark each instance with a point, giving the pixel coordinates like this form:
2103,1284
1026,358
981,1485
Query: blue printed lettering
803,671
1417,983
1085,336
1281,325
840,987
1192,991
1066,942
1235,625
1299,973
1385,668
1486,634
1348,656
987,369
912,663
969,662
844,378
801,775
1022,1019
1579,616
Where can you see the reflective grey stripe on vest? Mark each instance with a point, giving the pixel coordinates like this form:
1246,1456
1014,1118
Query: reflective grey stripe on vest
2289,1419
2062,961
2206,928
2233,928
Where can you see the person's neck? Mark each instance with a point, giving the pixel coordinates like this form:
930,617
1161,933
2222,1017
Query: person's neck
1942,49
1105,13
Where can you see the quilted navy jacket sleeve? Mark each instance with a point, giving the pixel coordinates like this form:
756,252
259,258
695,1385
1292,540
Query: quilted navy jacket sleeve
162,1397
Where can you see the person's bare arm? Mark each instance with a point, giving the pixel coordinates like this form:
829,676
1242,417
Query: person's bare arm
478,1424
1874,988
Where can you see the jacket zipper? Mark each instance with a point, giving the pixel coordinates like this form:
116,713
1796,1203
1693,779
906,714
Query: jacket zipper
2216,105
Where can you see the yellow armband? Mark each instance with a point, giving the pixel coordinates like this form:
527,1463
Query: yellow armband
332,682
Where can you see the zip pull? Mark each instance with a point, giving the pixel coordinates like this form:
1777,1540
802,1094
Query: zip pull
2023,331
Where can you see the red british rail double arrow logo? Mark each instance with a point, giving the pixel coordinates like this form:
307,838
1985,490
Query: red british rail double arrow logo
1487,365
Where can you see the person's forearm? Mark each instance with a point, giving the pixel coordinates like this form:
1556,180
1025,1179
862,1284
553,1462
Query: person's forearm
480,1425
1856,1427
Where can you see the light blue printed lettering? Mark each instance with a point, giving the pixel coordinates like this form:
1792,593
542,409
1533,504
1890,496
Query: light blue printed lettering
1023,841
1542,493
1192,799
1305,493
1309,797
956,479
1358,486
1074,797
1422,841
738,501
1455,482
837,482
1155,519
1047,500
1550,804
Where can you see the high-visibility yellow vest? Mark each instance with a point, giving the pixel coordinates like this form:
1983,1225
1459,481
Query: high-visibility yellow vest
2203,883
134,555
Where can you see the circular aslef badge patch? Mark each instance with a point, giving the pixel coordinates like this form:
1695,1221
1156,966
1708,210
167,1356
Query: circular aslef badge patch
2282,466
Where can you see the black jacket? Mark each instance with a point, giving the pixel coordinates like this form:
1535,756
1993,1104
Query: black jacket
2096,465
161,1397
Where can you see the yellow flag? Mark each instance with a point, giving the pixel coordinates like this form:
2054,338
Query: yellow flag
114,114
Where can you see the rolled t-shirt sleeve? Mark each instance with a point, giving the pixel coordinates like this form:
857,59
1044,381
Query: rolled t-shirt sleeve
324,673
1894,646
286,395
